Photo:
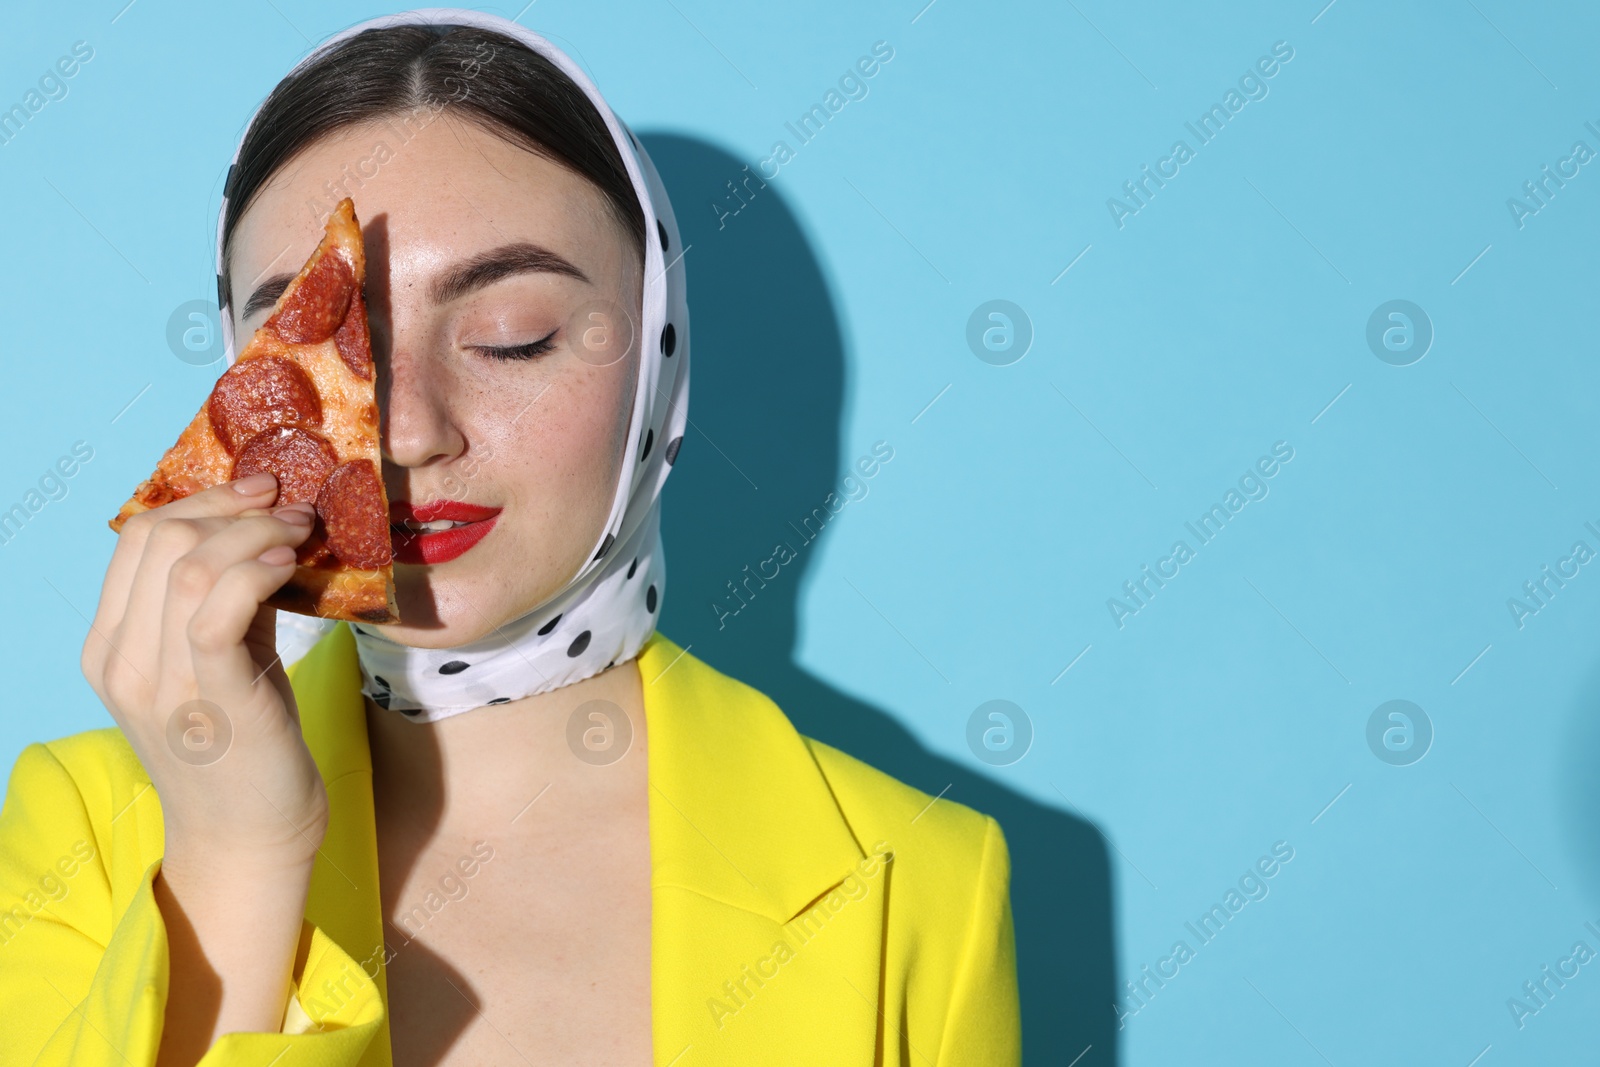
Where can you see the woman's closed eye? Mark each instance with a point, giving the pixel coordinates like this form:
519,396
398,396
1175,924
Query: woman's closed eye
530,350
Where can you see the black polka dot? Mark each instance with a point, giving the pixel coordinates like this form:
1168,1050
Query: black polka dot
605,546
662,230
579,643
501,700
413,712
649,437
672,449
669,340
650,599
633,566
613,663
547,627
383,696
455,666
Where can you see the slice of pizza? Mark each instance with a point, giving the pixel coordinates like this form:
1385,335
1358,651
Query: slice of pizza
300,402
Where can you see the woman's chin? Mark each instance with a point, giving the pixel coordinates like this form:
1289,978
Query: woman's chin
424,627
443,606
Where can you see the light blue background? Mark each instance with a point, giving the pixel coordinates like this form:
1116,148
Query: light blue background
1223,317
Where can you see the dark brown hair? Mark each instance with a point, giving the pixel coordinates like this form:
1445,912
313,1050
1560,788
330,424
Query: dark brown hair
480,75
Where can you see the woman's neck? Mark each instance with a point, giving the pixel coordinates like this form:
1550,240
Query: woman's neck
487,768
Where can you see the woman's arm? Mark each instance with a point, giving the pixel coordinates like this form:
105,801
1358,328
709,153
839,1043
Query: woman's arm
233,924
182,654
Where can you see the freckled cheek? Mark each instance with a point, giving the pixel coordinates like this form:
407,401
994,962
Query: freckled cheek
566,445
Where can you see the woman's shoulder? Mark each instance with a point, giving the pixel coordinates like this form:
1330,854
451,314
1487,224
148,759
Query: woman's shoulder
89,757
879,805
952,869
79,782
950,888
753,737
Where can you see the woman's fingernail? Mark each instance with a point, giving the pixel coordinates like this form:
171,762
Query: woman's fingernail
299,514
255,483
277,555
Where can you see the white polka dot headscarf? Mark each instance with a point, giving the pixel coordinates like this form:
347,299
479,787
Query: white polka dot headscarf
608,609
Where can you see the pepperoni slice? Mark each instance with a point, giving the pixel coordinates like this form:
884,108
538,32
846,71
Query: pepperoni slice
354,340
257,394
313,311
353,512
301,460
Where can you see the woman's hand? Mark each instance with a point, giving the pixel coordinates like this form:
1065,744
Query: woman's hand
182,653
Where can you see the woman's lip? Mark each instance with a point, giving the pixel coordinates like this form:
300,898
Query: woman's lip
453,510
440,546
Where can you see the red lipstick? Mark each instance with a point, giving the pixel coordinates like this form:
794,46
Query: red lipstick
412,545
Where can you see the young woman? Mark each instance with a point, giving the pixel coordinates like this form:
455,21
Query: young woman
521,825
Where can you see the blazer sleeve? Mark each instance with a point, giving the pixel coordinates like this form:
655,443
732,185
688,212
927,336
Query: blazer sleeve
984,1025
84,957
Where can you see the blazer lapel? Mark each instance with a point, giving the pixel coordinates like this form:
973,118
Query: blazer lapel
767,915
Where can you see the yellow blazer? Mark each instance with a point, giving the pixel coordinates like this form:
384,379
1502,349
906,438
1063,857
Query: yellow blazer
805,908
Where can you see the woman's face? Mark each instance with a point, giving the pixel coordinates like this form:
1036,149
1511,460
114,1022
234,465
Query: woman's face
477,251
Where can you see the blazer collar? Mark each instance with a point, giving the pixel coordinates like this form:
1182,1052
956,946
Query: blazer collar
739,810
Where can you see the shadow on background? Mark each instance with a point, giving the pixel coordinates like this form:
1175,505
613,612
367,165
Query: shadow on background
767,383
1578,785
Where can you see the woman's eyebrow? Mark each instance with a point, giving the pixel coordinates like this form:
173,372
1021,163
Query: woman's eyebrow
486,267
482,269
266,294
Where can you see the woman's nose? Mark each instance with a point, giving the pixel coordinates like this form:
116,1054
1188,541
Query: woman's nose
417,428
